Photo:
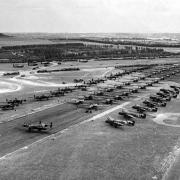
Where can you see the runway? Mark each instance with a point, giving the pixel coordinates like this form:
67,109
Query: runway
13,136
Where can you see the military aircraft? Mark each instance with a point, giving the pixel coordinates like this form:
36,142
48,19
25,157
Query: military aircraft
142,78
162,78
108,101
154,103
88,97
149,75
5,107
77,101
139,108
42,97
57,93
127,83
174,87
99,93
135,90
135,80
15,102
119,86
142,87
149,83
142,109
119,123
34,63
158,99
174,92
68,89
92,107
18,65
38,126
109,89
118,97
125,93
149,104
92,81
166,97
169,92
130,115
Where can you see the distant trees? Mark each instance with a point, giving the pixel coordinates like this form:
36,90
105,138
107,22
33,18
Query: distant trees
75,51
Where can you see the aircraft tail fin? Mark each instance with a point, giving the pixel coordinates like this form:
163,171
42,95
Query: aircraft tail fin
51,125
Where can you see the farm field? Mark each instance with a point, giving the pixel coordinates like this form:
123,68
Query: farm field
13,41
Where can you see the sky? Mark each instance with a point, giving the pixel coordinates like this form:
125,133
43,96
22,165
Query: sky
90,16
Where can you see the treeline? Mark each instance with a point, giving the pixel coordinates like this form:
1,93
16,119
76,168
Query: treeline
75,51
62,45
124,42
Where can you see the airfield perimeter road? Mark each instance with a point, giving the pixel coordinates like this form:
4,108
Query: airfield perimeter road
13,136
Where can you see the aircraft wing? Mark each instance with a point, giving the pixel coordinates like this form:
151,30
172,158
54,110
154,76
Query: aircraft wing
129,116
119,123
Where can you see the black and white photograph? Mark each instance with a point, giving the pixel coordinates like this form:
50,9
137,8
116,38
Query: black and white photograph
89,90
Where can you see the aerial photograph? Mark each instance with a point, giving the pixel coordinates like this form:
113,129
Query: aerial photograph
89,90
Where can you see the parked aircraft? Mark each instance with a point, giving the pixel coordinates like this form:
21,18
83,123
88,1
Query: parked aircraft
77,101
15,102
130,115
38,126
142,109
42,97
18,65
119,123
165,96
92,107
5,107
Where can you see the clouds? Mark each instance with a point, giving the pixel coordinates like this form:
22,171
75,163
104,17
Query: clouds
89,16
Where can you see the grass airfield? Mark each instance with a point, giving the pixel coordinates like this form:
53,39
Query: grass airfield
92,149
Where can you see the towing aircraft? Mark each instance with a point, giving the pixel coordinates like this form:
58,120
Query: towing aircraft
119,123
39,126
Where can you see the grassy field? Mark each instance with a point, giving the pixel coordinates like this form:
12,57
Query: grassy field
13,41
95,150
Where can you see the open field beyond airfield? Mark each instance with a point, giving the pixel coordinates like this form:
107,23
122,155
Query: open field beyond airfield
81,145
